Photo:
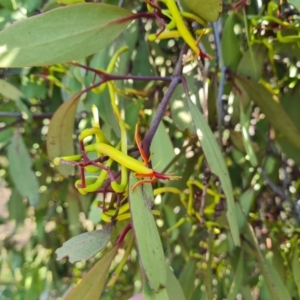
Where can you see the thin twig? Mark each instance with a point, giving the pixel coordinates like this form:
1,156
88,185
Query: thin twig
176,79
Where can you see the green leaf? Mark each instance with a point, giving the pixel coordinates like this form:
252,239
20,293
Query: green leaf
91,286
9,91
217,165
230,44
296,269
149,294
161,155
187,277
85,245
172,291
252,62
295,3
207,10
60,131
147,238
179,108
16,207
20,169
245,116
174,288
273,111
61,35
238,278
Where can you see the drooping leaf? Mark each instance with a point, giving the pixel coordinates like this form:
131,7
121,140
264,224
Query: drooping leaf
252,62
207,10
238,278
187,277
231,52
149,294
85,245
273,111
73,210
146,234
296,269
61,35
291,104
161,155
179,109
217,165
174,288
91,286
60,131
20,169
9,91
172,291
16,207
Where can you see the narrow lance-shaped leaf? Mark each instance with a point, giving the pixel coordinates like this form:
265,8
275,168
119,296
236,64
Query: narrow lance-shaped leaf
61,35
217,165
91,286
146,234
20,169
60,131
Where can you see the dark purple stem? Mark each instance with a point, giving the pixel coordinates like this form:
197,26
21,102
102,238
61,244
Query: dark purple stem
123,234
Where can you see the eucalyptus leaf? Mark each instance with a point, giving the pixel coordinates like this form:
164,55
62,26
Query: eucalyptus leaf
61,35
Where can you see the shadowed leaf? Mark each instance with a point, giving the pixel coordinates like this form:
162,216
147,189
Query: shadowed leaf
20,169
60,131
91,286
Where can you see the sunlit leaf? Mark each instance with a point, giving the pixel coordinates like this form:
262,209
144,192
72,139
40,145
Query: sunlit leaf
146,234
20,169
91,286
60,131
61,35
217,165
85,245
207,10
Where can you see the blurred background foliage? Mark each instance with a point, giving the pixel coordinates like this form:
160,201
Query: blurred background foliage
255,66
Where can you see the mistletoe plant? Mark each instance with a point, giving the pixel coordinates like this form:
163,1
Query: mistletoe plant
115,158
